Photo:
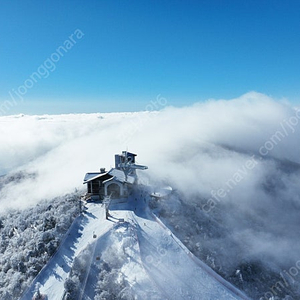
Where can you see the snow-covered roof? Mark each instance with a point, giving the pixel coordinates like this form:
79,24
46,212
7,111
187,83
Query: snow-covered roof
118,175
89,176
92,176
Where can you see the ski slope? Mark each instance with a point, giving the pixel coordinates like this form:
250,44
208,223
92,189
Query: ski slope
155,264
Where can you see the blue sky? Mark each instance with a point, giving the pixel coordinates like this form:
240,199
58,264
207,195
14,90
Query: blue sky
131,51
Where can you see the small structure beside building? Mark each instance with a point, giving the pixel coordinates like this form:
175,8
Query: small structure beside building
163,193
115,183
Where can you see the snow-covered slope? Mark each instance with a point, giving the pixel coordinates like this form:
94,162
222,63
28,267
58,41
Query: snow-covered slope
152,262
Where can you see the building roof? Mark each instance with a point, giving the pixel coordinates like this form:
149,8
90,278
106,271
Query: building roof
118,175
89,176
92,176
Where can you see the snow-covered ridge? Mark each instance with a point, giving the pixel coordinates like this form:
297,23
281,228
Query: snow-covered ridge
151,263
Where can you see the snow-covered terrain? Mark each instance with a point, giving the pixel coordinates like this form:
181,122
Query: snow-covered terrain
153,263
233,165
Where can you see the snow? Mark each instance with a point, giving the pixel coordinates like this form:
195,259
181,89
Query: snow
154,262
91,176
120,176
163,192
80,234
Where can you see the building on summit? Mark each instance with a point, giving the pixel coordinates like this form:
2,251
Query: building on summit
115,183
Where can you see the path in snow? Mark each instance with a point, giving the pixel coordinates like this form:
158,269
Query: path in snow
80,234
156,265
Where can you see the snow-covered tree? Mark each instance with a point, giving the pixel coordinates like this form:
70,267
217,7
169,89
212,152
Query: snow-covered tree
29,237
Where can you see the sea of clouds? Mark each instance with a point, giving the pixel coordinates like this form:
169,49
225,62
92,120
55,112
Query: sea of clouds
241,153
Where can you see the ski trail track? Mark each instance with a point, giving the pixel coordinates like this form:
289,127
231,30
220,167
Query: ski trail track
165,257
52,277
159,266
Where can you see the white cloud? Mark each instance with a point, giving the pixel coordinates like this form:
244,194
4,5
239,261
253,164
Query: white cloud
196,149
183,144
